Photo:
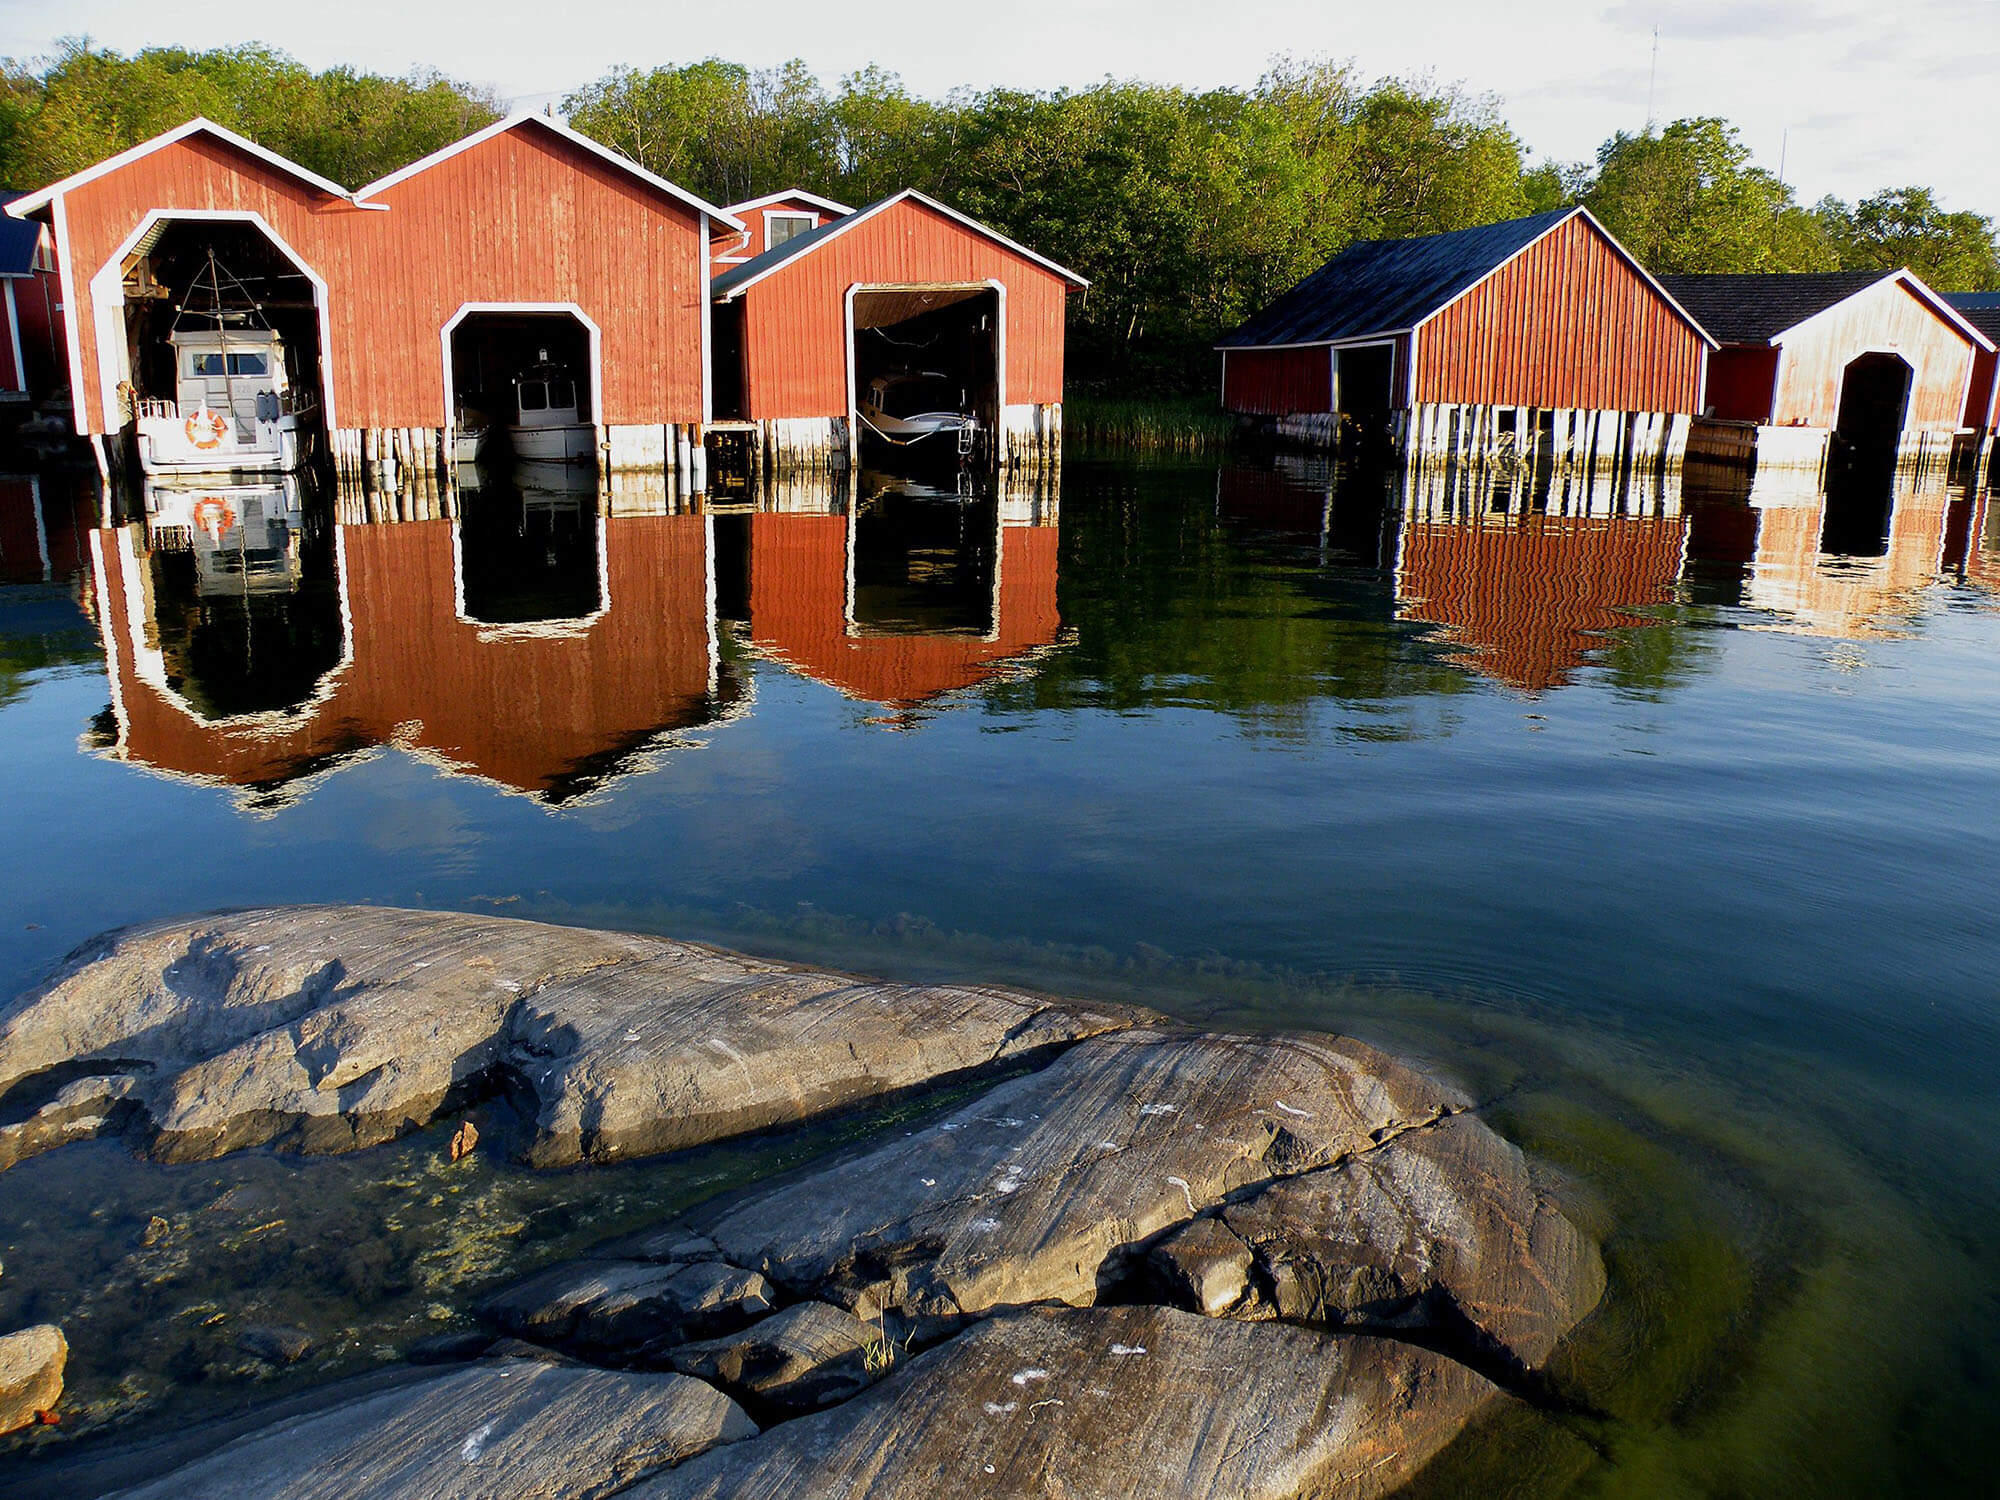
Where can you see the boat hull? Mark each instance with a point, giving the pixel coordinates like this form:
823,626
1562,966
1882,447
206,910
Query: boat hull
570,444
166,447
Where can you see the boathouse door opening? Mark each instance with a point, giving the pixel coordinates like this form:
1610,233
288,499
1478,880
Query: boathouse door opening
506,366
211,312
1364,384
927,367
1874,403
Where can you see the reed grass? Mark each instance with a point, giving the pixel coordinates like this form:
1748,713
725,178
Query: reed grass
1182,425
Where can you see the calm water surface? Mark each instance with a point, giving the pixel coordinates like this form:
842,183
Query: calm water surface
1673,833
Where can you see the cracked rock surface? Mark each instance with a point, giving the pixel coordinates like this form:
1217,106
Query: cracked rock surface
333,1028
1123,1403
1025,1194
520,1428
1156,1262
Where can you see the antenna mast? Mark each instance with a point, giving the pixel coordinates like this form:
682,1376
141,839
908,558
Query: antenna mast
1652,80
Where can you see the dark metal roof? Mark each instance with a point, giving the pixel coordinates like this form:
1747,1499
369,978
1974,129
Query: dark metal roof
1752,309
1386,286
18,240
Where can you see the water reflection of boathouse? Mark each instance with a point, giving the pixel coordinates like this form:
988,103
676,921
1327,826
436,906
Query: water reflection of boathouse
549,707
907,595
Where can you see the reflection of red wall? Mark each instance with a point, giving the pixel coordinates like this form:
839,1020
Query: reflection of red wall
798,611
1529,594
521,711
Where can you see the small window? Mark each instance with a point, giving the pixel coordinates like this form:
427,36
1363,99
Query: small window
562,393
534,396
781,227
248,364
204,364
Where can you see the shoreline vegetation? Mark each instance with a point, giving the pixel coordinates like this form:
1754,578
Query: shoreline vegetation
1162,426
1187,210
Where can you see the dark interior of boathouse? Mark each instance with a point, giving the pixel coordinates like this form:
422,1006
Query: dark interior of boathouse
940,346
489,349
183,268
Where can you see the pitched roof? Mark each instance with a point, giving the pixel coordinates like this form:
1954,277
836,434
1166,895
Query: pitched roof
791,195
1389,286
1980,309
739,279
555,127
1755,309
23,206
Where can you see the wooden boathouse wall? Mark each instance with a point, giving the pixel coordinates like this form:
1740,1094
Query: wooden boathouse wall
1570,322
1887,317
795,320
523,216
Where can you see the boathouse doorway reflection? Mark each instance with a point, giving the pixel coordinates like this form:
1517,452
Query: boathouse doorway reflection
923,560
238,598
530,547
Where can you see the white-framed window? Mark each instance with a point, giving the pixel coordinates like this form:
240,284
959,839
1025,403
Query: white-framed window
781,225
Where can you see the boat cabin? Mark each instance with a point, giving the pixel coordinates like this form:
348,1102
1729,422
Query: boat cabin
548,420
233,409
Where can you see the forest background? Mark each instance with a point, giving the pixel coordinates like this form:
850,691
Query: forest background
1187,210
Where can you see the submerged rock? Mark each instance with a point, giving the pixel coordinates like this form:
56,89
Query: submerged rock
31,1374
512,1427
1444,1228
1126,1403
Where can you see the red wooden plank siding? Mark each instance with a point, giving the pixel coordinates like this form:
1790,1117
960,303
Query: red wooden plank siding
1887,317
524,711
1277,382
521,217
798,612
1567,322
1982,401
795,321
1741,383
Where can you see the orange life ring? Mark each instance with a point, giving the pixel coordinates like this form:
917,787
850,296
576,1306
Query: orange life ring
214,516
205,429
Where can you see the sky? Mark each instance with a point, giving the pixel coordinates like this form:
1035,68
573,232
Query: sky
1849,97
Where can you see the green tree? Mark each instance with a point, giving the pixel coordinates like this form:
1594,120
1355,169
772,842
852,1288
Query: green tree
1689,198
1952,252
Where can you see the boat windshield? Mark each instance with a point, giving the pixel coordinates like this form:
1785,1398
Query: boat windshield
917,395
534,395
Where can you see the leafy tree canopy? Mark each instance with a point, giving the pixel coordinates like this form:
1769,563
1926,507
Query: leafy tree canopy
1187,209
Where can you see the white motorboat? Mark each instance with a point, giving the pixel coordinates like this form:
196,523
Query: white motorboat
908,408
545,424
234,410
